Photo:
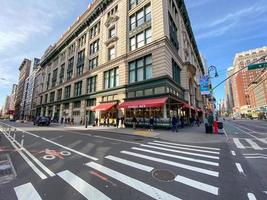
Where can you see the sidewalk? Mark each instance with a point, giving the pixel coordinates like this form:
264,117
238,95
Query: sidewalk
188,135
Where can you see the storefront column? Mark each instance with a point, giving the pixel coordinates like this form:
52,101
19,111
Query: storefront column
70,110
165,111
46,111
61,111
82,111
42,111
53,111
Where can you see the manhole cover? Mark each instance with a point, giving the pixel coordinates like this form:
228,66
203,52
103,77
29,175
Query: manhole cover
163,175
7,171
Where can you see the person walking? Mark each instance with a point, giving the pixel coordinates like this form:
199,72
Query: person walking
96,121
151,123
134,122
122,121
182,121
117,122
198,121
174,124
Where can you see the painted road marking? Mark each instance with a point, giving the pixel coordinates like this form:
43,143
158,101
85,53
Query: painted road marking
253,144
238,143
176,164
252,157
184,148
254,154
185,145
198,185
87,190
176,156
239,167
182,152
27,160
136,184
233,153
130,163
251,196
27,192
72,150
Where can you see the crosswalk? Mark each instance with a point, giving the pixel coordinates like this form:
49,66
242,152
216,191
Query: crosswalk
195,168
245,143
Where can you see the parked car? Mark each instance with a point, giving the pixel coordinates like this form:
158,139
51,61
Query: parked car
42,121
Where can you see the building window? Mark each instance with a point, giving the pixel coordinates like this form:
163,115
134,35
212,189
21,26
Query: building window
54,78
59,94
48,81
113,11
111,32
82,40
67,91
133,3
61,73
78,89
93,63
52,97
91,84
77,104
94,31
140,39
66,106
173,32
111,78
71,49
46,98
91,102
80,69
176,72
140,69
94,47
140,17
81,56
111,53
70,68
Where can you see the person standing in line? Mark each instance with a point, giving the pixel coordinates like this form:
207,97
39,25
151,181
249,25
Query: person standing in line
174,124
151,123
182,121
96,121
117,122
122,121
134,122
72,121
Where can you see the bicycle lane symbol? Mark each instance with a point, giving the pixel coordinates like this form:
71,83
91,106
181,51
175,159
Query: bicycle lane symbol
52,154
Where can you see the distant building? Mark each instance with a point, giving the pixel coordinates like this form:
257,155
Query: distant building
229,99
27,99
23,75
244,78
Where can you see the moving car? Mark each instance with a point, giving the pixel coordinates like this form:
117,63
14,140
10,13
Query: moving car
42,121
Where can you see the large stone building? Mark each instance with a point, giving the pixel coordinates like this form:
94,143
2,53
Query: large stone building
229,100
9,107
242,79
124,58
24,72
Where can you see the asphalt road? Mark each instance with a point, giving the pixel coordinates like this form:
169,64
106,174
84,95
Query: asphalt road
56,164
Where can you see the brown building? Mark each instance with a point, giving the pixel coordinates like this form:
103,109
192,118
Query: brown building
24,71
242,79
124,58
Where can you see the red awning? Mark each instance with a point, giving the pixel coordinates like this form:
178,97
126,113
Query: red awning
185,105
144,103
104,106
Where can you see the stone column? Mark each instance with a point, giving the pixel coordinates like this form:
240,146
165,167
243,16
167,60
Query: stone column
82,110
70,110
165,111
61,110
53,111
46,111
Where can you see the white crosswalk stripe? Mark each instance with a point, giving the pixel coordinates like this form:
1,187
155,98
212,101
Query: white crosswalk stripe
27,192
176,164
245,143
184,148
179,157
182,152
136,184
87,190
185,145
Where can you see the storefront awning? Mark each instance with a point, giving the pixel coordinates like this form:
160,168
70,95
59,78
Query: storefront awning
104,106
144,103
185,105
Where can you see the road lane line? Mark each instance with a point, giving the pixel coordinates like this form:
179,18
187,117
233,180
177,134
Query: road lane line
183,148
27,192
238,143
198,185
130,163
87,190
251,196
176,164
136,184
181,152
27,160
253,144
262,157
72,150
239,167
233,153
179,157
185,145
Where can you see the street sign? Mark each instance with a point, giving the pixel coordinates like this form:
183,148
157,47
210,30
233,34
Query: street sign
257,66
204,85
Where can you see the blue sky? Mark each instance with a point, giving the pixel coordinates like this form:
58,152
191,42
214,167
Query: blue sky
221,27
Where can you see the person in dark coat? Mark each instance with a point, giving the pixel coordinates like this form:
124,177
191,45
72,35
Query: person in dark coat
122,121
134,122
151,123
117,122
174,124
